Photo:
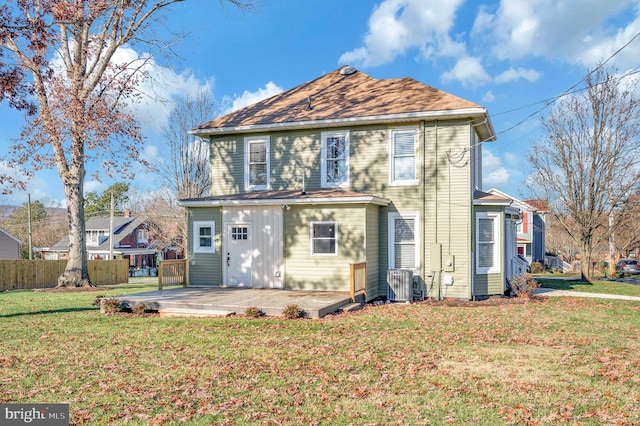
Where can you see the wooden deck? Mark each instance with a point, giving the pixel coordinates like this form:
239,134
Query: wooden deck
203,301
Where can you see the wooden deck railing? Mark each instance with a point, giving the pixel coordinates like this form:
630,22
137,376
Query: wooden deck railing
172,272
358,280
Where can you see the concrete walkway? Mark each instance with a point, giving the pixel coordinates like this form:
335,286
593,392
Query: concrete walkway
554,292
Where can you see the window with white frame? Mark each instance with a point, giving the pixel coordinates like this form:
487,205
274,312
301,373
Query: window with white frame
403,241
256,164
95,237
204,236
324,238
402,156
487,243
334,163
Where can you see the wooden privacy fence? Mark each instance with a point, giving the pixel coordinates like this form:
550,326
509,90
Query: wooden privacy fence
172,272
29,274
358,280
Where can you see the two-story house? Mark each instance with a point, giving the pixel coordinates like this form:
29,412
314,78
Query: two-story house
347,168
531,228
130,240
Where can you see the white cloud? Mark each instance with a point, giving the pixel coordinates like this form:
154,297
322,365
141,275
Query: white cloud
94,186
493,172
520,29
162,84
513,74
395,26
488,97
248,98
469,71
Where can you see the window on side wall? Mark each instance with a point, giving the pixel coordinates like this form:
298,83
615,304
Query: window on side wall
403,241
256,164
204,237
487,243
324,238
402,156
334,162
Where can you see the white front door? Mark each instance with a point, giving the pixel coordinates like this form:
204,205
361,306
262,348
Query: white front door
238,259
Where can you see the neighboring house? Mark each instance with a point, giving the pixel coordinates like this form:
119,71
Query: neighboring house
9,245
346,169
531,228
130,241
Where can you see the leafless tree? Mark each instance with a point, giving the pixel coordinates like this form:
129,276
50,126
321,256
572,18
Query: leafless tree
185,169
60,53
589,158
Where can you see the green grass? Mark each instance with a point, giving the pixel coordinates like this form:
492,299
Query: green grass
564,360
598,286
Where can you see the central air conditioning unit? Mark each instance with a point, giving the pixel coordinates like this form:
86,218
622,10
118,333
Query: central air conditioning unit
400,285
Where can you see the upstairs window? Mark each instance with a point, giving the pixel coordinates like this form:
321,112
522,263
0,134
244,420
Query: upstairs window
256,163
402,156
335,159
94,237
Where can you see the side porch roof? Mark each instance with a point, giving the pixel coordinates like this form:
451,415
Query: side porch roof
291,197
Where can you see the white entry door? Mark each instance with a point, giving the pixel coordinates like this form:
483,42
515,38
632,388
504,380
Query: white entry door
239,255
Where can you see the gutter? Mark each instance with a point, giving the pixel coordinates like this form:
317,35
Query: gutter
386,118
289,201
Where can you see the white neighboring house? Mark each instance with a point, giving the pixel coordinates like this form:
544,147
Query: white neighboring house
9,245
531,229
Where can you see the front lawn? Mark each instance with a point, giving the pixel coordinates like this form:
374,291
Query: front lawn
599,286
556,361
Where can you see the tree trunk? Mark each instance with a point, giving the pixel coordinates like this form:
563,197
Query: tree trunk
76,274
585,263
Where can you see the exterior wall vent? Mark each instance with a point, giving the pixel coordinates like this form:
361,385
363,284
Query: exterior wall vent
400,285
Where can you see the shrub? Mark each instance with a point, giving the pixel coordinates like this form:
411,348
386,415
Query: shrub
253,312
292,311
109,305
537,268
139,308
523,285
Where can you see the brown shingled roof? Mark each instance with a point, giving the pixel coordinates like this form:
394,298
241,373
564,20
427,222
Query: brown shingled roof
340,96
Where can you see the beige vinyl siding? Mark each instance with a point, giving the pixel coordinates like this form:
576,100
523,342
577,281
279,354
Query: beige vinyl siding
372,247
266,239
304,271
491,284
449,200
227,165
205,268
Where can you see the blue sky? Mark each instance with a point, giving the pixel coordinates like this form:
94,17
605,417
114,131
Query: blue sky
509,56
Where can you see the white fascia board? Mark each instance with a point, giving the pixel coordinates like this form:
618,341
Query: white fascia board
283,201
505,203
386,118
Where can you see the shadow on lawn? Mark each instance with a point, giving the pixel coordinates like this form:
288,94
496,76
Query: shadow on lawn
567,283
49,311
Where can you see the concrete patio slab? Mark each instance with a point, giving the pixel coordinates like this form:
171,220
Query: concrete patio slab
201,301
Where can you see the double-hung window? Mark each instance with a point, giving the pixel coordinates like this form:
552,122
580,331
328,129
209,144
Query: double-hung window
403,241
402,156
204,236
334,162
256,164
324,238
487,243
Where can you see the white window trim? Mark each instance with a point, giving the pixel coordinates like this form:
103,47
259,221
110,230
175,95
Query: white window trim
403,182
247,183
323,159
196,236
392,238
326,222
497,243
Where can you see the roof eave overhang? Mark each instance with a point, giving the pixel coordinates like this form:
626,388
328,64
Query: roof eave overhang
286,201
485,126
501,203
